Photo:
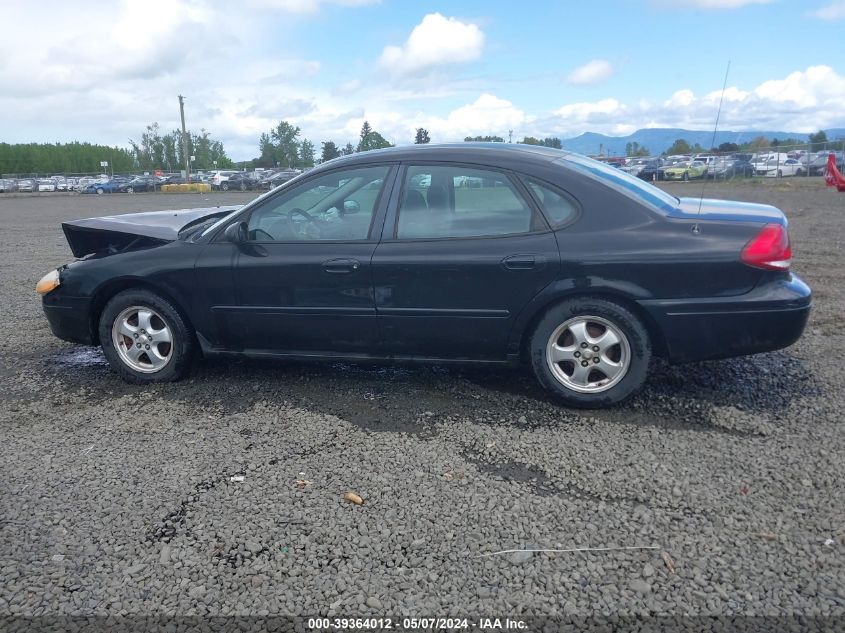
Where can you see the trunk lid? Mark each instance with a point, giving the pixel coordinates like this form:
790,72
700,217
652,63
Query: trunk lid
730,210
117,232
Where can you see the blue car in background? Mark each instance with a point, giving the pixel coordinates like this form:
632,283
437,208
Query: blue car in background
111,186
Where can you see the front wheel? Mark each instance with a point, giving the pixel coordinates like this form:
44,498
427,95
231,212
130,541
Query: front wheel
144,337
686,176
225,186
590,353
100,191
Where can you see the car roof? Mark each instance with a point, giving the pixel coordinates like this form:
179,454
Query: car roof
484,153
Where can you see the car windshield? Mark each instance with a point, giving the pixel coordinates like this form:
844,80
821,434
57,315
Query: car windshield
621,181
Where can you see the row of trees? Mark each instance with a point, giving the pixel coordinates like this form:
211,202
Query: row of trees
282,147
816,142
62,158
157,150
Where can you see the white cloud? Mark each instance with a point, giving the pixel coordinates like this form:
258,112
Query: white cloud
436,41
593,72
803,101
488,114
832,11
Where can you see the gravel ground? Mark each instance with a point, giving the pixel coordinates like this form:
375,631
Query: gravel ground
118,499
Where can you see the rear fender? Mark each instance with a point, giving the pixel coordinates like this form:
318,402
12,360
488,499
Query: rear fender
620,291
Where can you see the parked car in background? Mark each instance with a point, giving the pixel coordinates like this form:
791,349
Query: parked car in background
111,186
777,166
8,185
217,177
279,178
730,167
646,168
139,184
816,163
238,181
688,170
46,185
595,272
61,182
27,185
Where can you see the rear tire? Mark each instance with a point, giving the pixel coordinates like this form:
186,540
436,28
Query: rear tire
100,191
613,373
225,186
686,176
137,320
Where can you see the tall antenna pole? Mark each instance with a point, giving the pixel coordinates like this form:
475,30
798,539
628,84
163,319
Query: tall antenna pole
715,127
185,140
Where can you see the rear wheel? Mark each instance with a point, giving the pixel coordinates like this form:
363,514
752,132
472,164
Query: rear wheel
590,352
686,176
100,191
144,337
780,173
243,186
224,186
130,190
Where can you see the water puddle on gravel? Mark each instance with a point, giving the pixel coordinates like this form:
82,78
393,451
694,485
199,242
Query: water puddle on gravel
80,356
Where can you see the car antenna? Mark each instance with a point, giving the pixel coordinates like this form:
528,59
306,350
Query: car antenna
695,228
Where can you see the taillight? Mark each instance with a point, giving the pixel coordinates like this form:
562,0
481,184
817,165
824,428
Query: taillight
769,249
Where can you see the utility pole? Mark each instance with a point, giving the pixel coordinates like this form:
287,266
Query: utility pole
510,136
185,139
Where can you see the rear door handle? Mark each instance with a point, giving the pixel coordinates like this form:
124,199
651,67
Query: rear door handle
341,266
520,262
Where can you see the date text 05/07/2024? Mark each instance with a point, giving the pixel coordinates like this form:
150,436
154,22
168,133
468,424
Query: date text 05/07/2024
410,624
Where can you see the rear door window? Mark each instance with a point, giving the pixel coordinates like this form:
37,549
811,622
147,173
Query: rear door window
454,201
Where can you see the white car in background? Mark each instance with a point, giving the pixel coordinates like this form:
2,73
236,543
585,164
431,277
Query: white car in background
46,185
777,167
218,177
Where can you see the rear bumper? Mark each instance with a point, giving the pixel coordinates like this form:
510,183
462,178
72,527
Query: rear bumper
69,317
770,317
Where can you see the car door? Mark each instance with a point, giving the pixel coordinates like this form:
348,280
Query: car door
463,251
301,282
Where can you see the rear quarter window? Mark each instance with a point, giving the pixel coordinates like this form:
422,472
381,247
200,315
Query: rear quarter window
558,207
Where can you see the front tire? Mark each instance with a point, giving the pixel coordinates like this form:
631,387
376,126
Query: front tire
144,337
686,176
100,191
225,186
590,353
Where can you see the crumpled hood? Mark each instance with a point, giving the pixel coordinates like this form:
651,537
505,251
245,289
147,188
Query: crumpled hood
91,235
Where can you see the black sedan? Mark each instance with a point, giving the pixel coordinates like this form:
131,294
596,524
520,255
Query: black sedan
575,268
238,182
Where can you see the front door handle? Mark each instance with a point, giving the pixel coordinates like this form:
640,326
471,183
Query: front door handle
341,266
520,262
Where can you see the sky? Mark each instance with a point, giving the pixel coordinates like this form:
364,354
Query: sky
100,71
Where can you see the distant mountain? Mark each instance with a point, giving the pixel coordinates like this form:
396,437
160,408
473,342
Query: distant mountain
656,140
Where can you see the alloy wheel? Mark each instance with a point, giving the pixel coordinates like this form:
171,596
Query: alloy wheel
143,339
588,354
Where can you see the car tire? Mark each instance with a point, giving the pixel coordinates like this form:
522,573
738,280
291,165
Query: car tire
243,187
130,190
143,314
100,191
686,176
559,329
224,186
780,173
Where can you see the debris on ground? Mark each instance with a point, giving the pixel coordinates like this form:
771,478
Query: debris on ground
351,497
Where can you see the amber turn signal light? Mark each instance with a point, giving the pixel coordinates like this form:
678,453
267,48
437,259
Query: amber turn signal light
48,282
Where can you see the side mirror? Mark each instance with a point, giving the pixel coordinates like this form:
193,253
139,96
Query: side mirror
236,233
350,206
